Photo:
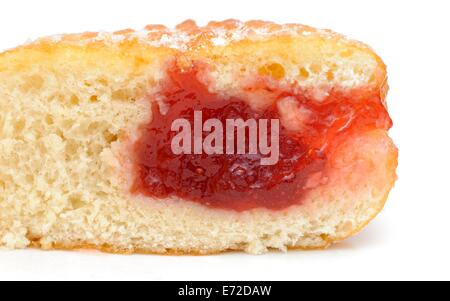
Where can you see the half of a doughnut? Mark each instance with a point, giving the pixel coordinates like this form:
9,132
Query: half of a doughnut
85,125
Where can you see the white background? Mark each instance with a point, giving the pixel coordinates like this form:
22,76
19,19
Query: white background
408,240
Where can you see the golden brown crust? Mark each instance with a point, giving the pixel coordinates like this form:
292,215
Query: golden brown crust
217,43
194,36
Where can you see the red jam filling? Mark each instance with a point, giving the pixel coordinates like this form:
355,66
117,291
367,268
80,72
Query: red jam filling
239,181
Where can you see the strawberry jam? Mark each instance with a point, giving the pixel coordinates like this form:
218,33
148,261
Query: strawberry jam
238,181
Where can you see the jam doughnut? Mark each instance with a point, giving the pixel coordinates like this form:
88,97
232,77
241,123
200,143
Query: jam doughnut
236,135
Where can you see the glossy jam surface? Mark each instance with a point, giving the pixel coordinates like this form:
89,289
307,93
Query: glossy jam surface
238,181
